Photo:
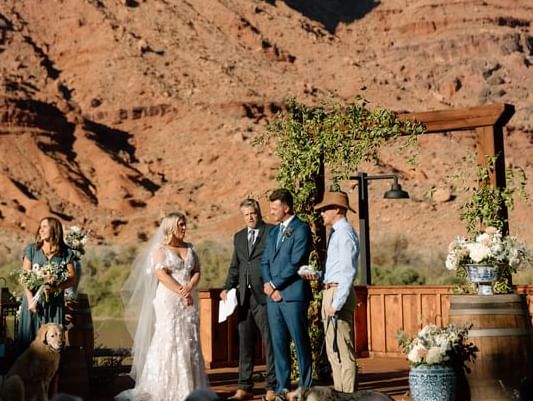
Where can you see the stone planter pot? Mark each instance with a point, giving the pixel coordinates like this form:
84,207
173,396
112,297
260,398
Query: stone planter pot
432,383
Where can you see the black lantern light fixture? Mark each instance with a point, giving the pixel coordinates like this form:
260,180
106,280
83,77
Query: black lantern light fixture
396,192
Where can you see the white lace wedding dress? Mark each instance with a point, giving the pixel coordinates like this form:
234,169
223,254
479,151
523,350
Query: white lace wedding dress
174,364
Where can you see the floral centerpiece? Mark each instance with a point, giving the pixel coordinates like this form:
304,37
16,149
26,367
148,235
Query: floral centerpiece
434,345
499,255
40,278
435,354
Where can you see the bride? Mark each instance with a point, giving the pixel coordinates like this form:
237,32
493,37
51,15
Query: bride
162,314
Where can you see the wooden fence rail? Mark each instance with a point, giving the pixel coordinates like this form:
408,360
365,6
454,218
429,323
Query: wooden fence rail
380,313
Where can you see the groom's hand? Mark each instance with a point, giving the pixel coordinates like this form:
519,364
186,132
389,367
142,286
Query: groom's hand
267,288
276,296
309,276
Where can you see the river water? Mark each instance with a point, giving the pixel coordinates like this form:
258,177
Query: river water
111,333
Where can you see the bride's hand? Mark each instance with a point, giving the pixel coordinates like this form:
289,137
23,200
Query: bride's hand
189,300
184,291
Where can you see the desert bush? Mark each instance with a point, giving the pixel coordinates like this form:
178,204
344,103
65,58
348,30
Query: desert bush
215,258
395,263
104,270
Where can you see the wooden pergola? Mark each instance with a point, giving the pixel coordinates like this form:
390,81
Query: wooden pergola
381,312
487,121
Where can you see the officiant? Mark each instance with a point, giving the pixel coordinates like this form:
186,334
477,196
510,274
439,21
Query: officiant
244,273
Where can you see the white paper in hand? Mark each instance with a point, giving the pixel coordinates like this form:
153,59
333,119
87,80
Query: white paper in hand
227,307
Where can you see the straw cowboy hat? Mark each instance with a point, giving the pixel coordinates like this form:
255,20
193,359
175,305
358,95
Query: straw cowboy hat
334,199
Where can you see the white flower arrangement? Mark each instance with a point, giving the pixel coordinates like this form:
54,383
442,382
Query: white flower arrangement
434,345
489,247
76,238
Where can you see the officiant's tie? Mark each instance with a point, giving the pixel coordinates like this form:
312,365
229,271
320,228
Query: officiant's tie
251,240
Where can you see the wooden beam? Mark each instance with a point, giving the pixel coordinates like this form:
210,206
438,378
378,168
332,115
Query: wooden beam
463,118
490,144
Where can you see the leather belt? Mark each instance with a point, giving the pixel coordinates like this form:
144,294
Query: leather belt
327,286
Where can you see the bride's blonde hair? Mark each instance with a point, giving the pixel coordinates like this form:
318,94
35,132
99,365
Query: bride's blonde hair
169,225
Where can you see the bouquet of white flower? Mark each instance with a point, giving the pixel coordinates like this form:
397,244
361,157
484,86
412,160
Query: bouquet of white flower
76,238
39,278
434,345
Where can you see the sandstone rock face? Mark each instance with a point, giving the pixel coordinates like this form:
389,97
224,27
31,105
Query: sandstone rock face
113,112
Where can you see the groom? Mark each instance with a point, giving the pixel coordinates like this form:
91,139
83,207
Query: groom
287,248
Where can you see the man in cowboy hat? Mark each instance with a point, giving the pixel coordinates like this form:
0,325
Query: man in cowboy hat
338,302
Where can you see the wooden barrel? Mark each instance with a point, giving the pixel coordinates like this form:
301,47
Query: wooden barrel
80,331
501,330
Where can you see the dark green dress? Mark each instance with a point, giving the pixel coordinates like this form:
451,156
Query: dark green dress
52,311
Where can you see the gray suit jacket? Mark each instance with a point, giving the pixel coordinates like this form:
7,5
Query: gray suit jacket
245,269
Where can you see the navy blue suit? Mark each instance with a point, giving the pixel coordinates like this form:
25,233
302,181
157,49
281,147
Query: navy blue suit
288,319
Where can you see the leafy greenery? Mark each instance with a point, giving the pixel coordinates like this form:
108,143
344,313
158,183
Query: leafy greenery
104,270
338,136
215,258
485,206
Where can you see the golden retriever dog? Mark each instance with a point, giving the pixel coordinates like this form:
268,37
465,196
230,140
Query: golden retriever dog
321,393
38,364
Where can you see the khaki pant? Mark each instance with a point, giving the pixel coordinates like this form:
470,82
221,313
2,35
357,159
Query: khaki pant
343,363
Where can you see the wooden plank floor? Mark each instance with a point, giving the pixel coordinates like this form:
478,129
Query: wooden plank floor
389,376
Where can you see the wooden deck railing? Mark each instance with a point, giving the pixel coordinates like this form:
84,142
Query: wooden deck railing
380,313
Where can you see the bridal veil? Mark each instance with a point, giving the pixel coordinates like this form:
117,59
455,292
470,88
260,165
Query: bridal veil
137,294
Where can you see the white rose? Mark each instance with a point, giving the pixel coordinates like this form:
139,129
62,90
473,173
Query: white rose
434,356
451,262
417,354
478,252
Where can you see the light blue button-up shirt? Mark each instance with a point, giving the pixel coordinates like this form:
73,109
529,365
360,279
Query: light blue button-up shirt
342,260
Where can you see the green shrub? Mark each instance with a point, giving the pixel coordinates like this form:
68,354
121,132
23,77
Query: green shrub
214,258
104,270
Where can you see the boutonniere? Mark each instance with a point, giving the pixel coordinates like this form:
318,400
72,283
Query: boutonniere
288,233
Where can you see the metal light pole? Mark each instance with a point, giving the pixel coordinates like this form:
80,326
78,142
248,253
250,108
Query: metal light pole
395,192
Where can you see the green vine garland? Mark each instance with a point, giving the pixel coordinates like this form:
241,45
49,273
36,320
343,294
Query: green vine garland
486,203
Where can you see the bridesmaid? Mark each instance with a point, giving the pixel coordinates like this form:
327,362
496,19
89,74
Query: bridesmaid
49,246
